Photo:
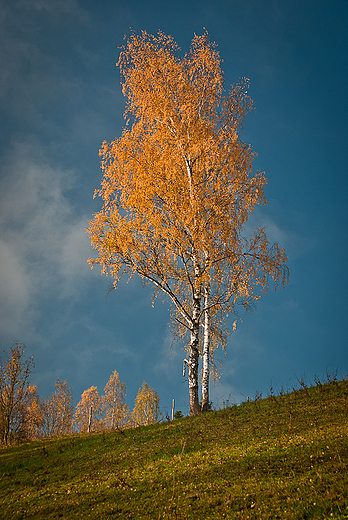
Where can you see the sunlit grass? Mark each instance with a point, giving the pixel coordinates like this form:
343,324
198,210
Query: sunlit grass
281,457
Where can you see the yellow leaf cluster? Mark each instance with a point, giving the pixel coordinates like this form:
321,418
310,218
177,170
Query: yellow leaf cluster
146,410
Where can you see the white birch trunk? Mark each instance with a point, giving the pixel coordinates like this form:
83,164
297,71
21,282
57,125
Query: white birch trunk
194,353
206,353
193,369
90,419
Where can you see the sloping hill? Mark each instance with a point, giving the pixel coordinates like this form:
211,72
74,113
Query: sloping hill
281,457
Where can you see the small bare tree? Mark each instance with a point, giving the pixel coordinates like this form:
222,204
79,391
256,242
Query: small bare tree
57,410
14,391
114,403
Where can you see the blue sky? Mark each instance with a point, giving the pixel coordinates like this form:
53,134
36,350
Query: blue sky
60,97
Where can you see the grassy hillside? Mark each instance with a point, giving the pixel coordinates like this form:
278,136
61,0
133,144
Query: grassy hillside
281,457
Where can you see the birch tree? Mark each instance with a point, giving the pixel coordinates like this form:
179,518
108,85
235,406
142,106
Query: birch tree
88,411
178,188
57,410
146,410
15,391
116,411
30,416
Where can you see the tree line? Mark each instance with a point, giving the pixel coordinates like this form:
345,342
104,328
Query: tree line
25,416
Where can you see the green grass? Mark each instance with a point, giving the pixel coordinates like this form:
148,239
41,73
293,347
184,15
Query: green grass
281,457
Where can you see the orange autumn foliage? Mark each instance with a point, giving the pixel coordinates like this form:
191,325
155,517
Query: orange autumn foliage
116,411
32,416
88,411
178,188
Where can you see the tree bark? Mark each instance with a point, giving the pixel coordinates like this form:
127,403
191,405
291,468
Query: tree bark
206,353
193,371
194,358
90,419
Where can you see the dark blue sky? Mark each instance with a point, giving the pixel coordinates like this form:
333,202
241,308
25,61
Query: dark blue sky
60,97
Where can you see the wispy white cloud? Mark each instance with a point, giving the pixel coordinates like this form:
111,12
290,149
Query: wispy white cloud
260,219
296,245
43,239
75,251
224,393
14,290
169,358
